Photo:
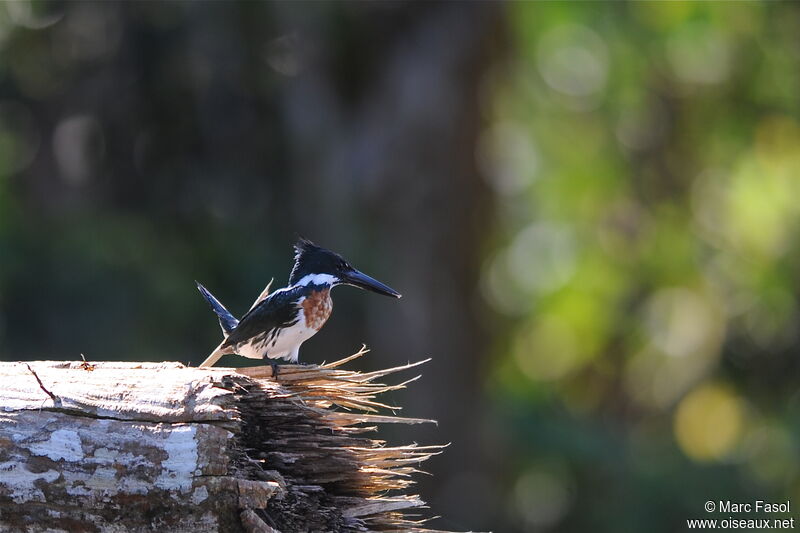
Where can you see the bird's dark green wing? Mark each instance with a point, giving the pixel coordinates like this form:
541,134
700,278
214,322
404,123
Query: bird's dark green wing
275,312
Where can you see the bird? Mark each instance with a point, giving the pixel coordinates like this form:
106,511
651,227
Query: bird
279,322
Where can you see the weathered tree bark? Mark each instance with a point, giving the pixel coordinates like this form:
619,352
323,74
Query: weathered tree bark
161,447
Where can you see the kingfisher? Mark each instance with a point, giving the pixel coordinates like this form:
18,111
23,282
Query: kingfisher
278,323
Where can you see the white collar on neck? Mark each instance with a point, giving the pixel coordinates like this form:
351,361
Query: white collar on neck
317,279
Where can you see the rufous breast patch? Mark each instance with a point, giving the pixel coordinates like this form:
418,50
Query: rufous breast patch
317,308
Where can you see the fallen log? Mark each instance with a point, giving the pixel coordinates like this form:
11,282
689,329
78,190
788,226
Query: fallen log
127,447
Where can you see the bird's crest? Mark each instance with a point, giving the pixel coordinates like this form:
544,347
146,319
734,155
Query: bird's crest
311,259
302,247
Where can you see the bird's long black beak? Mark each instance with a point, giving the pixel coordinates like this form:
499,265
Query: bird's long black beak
362,281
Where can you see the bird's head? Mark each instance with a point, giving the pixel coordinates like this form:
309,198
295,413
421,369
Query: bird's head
317,265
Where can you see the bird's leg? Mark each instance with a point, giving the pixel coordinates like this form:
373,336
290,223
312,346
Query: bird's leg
275,367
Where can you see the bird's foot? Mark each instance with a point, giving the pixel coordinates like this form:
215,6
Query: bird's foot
275,370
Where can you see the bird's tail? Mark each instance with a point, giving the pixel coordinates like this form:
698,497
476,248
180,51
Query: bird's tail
218,352
226,320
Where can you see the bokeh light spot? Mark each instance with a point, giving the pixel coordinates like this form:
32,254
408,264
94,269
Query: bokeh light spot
507,157
542,257
682,322
541,497
699,54
573,60
285,55
79,145
709,422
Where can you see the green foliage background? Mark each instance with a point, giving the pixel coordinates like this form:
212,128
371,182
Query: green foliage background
647,161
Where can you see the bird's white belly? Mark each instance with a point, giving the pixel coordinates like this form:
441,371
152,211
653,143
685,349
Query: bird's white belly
284,345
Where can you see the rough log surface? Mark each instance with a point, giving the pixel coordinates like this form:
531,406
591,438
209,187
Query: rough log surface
119,447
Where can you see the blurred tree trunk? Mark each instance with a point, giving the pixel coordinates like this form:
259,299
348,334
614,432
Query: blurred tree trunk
388,147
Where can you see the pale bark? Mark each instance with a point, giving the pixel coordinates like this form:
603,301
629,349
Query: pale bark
124,447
